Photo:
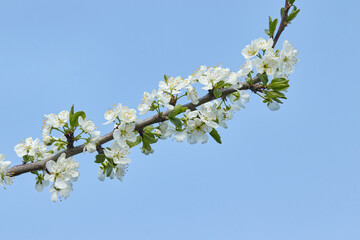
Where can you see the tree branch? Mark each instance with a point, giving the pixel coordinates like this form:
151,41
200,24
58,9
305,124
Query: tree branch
283,23
40,165
24,168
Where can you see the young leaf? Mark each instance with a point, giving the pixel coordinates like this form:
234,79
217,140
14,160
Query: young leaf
176,121
109,170
267,32
217,93
146,145
272,27
100,158
150,138
149,128
74,119
293,15
215,135
249,79
177,110
133,144
264,78
278,86
71,111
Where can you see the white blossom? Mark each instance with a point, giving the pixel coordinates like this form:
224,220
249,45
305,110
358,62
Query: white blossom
263,44
164,99
63,193
146,102
23,149
61,173
250,50
4,167
123,113
39,151
111,114
166,130
287,58
180,136
127,115
87,126
274,106
192,95
208,114
101,175
173,85
246,69
40,185
33,148
90,144
197,131
212,76
125,132
267,64
118,153
57,121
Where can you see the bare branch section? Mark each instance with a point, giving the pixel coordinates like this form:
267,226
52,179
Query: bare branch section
283,23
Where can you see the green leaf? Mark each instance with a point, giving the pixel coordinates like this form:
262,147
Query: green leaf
275,94
278,86
272,27
215,135
293,15
74,119
166,78
28,158
35,172
277,100
281,11
177,110
150,138
71,111
217,93
249,79
280,80
146,145
176,121
133,144
267,32
291,1
109,170
100,158
149,128
264,78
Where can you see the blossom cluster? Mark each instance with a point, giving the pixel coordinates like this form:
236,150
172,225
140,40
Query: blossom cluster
115,160
72,127
271,61
199,123
61,124
61,173
32,150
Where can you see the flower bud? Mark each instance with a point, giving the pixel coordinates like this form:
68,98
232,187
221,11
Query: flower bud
48,140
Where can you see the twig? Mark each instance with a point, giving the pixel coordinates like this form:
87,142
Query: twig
283,23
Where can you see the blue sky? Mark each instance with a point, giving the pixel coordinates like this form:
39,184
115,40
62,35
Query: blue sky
291,174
